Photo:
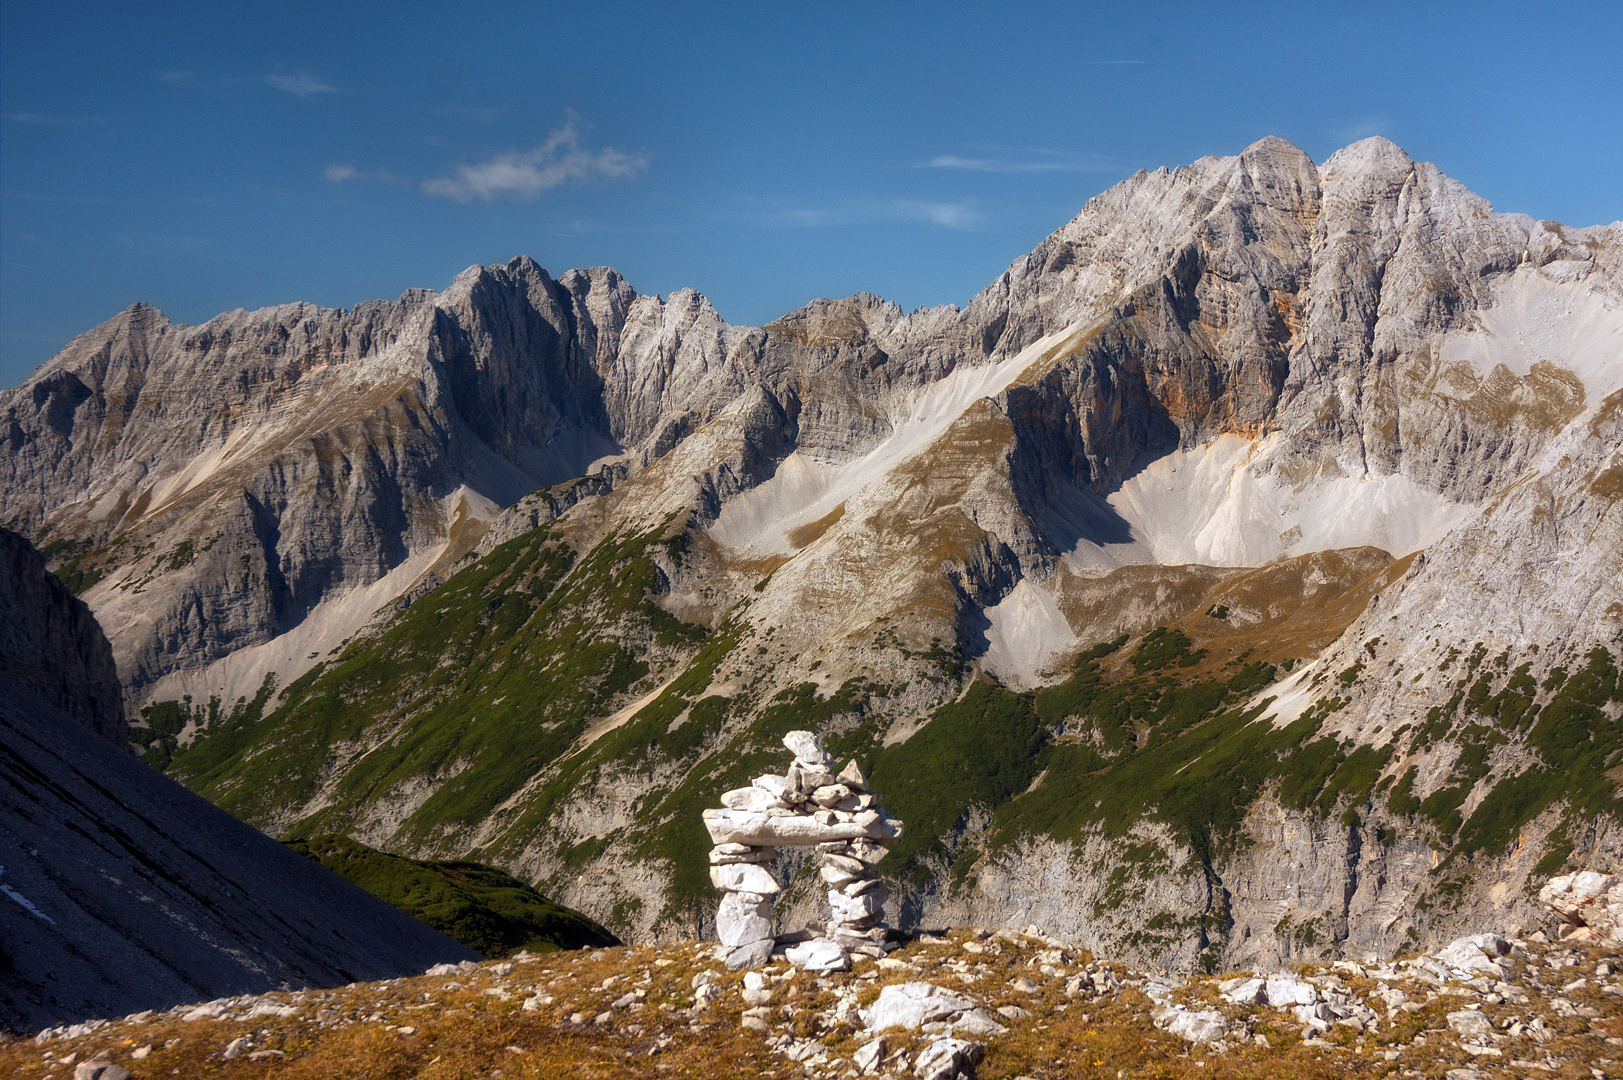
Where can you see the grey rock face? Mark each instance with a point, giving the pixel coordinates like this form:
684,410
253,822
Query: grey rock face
278,476
51,644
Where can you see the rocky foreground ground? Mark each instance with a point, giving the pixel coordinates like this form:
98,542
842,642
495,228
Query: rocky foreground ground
967,1002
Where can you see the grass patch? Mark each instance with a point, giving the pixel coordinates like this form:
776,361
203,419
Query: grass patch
485,909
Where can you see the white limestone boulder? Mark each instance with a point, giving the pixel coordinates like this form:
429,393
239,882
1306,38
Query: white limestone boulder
1283,991
947,1059
819,957
1589,903
853,777
1204,1026
978,1023
1471,954
743,918
836,876
808,748
722,854
759,830
911,1004
1245,991
751,954
850,909
752,798
744,877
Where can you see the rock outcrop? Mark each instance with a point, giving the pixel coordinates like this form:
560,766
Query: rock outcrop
52,645
1590,906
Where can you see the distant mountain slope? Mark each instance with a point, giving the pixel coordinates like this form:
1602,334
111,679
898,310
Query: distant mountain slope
51,644
125,891
485,909
1240,566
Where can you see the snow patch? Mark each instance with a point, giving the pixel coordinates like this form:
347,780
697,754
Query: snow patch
804,489
1027,629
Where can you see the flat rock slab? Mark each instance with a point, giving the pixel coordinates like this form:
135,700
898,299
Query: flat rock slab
909,1005
818,957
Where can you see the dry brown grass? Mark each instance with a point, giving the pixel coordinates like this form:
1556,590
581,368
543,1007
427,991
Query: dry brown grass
461,1032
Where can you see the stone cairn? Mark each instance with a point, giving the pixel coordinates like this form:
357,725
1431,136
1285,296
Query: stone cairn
809,806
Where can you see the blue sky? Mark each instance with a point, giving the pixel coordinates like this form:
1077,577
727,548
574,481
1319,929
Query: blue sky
212,156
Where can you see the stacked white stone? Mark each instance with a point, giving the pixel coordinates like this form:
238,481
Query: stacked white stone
810,806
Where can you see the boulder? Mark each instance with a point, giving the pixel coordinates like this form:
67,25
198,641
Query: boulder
857,908
805,779
776,786
100,1070
945,1059
853,777
1245,991
1284,991
1196,1027
908,1005
1470,1023
723,854
744,877
818,957
749,955
978,1022
836,876
808,748
752,798
758,830
1465,954
866,851
1587,901
869,1055
743,918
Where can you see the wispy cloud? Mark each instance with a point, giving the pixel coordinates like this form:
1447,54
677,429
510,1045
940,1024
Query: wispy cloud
300,84
44,120
343,174
531,174
950,215
1042,161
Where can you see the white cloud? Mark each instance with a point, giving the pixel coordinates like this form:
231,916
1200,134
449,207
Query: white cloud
300,84
341,174
951,215
1046,162
533,173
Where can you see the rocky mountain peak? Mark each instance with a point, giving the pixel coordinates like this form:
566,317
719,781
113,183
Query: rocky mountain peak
1250,426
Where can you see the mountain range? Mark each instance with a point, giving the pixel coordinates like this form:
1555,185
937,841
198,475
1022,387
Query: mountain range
1234,579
